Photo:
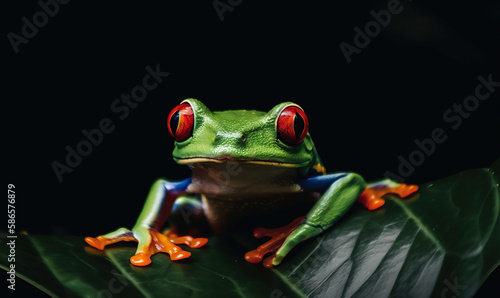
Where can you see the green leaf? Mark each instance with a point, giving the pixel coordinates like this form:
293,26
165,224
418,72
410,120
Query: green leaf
445,240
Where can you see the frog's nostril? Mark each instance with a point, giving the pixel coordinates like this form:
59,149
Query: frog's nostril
233,139
243,141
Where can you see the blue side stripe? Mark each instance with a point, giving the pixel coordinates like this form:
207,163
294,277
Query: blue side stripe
177,186
319,183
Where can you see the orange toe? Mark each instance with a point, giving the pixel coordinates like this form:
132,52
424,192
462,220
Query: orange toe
410,189
95,242
198,242
180,255
375,204
140,260
268,262
372,198
253,256
189,241
259,232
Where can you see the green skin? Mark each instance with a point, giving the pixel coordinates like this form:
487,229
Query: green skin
248,138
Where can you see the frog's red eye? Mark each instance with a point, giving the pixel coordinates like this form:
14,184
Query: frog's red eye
180,122
292,125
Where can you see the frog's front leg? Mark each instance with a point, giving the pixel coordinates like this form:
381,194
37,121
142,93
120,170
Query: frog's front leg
158,206
342,190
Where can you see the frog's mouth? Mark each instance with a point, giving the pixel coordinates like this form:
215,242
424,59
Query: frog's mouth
229,158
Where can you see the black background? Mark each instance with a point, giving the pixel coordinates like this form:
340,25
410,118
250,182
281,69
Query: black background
363,114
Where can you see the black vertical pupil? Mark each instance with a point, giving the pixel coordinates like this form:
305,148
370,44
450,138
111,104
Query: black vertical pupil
298,125
174,122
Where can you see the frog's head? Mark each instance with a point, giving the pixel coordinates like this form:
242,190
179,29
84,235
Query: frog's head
279,137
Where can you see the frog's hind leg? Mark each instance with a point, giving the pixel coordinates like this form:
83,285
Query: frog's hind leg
121,234
372,199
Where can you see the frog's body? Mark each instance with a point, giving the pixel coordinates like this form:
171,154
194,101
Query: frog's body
232,197
246,164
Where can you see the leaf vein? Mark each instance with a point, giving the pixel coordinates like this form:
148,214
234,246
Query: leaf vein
420,224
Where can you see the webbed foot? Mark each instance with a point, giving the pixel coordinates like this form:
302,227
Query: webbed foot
371,197
150,242
278,237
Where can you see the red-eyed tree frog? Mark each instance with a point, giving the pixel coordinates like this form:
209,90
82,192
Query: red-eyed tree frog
246,163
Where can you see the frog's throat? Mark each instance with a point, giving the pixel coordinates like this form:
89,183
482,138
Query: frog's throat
192,160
